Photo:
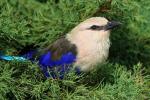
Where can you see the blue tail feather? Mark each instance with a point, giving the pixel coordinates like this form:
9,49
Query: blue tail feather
11,58
46,63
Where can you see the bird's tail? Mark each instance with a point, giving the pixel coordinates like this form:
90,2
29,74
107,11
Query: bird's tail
26,53
11,58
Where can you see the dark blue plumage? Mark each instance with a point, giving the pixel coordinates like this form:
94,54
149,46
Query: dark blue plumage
54,61
59,66
50,68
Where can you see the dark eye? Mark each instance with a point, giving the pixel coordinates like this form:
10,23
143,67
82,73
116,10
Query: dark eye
94,27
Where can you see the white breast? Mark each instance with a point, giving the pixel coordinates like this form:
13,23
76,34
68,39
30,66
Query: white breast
92,49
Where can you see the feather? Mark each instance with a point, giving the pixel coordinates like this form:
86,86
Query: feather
57,57
10,58
54,61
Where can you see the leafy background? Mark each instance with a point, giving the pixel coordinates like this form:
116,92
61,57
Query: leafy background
40,22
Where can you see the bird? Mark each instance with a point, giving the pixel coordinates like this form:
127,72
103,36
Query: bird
86,45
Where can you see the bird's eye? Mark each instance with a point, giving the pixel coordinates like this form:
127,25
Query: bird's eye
94,27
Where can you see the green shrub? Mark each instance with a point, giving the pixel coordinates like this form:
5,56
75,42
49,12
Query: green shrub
40,22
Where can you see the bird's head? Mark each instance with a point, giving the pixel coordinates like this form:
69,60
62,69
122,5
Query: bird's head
91,38
98,27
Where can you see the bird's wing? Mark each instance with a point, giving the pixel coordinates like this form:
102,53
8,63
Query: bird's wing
61,47
60,53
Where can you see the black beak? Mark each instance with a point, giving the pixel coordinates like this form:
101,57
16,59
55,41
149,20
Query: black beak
112,24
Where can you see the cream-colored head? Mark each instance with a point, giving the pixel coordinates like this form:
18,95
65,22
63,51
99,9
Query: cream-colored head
84,28
92,40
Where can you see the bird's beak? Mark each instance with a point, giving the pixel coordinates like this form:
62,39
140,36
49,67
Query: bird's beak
112,24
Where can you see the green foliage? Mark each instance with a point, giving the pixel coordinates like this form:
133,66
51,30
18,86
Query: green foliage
30,84
40,22
132,41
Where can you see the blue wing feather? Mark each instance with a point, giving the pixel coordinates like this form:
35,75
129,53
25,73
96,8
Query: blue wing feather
48,66
59,66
